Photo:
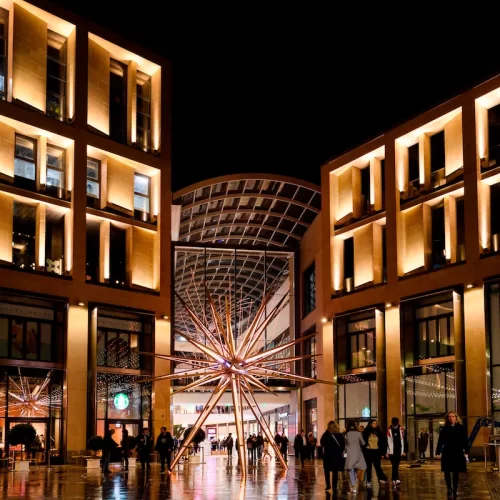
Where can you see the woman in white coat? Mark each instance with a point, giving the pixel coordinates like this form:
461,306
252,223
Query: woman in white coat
354,460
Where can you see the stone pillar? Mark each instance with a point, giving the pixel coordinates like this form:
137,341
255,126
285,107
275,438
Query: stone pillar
476,362
450,229
132,102
453,145
458,328
394,369
424,161
104,245
98,87
375,184
41,164
394,223
381,367
76,379
156,107
161,388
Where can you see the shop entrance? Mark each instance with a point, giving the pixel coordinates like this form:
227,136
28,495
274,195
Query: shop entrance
417,428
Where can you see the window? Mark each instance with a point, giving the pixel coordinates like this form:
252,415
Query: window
311,416
54,242
349,264
142,188
495,220
118,256
357,398
435,329
413,171
4,23
56,75
384,254
24,236
93,182
117,101
310,363
143,110
438,237
361,343
92,251
438,177
310,289
25,162
55,171
460,210
494,136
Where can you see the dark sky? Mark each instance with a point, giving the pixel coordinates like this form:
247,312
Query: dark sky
263,89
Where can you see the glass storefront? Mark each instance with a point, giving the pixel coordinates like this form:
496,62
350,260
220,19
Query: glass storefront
493,291
121,401
311,407
30,395
357,398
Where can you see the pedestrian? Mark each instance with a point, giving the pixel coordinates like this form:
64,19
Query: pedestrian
250,447
164,446
266,450
229,445
453,449
395,448
254,447
144,449
108,446
300,446
375,449
284,446
333,444
260,445
354,460
311,445
125,443
423,443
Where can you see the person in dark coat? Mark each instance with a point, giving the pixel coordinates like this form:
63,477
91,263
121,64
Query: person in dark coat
164,446
229,445
108,446
144,449
375,449
125,448
423,443
284,446
453,449
333,444
300,446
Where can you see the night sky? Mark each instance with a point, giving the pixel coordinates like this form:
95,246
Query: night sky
283,91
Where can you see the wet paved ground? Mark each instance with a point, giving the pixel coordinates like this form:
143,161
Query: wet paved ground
218,480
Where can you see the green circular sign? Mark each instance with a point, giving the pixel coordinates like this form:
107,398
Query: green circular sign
121,401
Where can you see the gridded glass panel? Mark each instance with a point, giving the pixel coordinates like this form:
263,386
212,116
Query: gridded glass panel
430,394
55,157
25,148
92,169
357,400
17,338
495,387
354,352
141,203
46,342
31,346
23,168
141,184
55,178
92,189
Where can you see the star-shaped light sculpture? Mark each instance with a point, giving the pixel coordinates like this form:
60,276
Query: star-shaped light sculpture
235,365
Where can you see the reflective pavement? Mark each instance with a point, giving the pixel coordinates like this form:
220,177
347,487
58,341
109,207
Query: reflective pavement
219,480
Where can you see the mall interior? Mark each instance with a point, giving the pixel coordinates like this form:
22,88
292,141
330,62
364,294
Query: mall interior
393,262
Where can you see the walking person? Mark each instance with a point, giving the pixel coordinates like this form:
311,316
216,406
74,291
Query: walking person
333,444
266,450
354,460
144,449
395,448
164,446
423,443
453,449
108,446
311,445
229,445
284,446
260,445
250,447
376,448
125,443
300,446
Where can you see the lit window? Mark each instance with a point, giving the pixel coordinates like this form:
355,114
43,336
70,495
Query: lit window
310,289
25,162
55,170
56,74
141,195
93,179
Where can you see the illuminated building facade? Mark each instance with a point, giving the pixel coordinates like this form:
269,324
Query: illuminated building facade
407,262
84,186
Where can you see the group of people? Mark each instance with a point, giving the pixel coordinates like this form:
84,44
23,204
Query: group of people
357,452
165,445
305,446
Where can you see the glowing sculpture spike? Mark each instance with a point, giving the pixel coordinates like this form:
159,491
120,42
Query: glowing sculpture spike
241,369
